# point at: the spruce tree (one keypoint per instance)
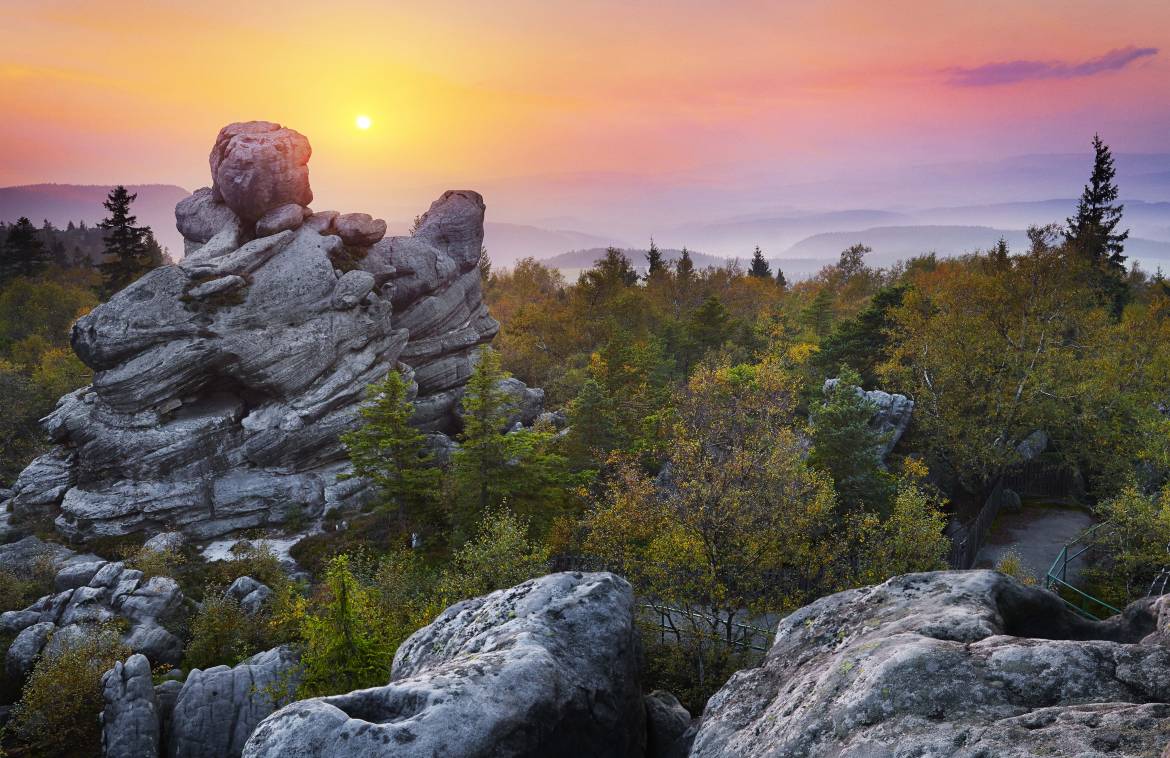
(130, 251)
(685, 267)
(483, 452)
(781, 280)
(1092, 232)
(393, 455)
(760, 268)
(23, 253)
(655, 265)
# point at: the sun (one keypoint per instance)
(363, 122)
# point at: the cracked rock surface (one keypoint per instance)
(548, 667)
(960, 664)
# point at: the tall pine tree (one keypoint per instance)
(393, 455)
(1092, 232)
(781, 280)
(655, 265)
(760, 268)
(130, 251)
(23, 253)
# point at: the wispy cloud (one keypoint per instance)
(1010, 72)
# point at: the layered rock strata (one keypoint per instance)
(221, 384)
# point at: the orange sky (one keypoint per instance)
(463, 93)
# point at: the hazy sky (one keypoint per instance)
(476, 93)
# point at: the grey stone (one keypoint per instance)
(254, 601)
(242, 587)
(279, 219)
(258, 165)
(548, 667)
(155, 642)
(958, 664)
(130, 719)
(217, 286)
(359, 229)
(23, 557)
(351, 288)
(1033, 445)
(200, 217)
(166, 541)
(23, 651)
(667, 722)
(218, 708)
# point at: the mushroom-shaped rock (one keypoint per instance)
(200, 216)
(279, 219)
(546, 668)
(258, 165)
(359, 229)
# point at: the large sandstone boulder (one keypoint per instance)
(546, 668)
(959, 664)
(217, 708)
(257, 166)
(221, 384)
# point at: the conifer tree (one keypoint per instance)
(393, 455)
(130, 251)
(685, 267)
(781, 280)
(1092, 232)
(760, 268)
(655, 265)
(23, 253)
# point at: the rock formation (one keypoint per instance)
(960, 664)
(93, 592)
(892, 413)
(210, 715)
(221, 384)
(549, 667)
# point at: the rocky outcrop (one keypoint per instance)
(548, 667)
(958, 664)
(130, 720)
(97, 592)
(221, 384)
(892, 413)
(210, 715)
(217, 708)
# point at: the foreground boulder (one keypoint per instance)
(221, 384)
(959, 664)
(546, 668)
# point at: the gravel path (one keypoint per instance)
(1036, 533)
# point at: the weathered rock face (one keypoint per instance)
(892, 413)
(130, 720)
(958, 664)
(221, 384)
(218, 708)
(548, 667)
(93, 592)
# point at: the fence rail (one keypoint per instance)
(965, 550)
(1057, 577)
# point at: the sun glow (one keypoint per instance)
(363, 122)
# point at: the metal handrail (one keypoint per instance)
(1054, 579)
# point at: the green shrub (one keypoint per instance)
(59, 706)
(221, 633)
(248, 559)
(347, 643)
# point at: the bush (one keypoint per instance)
(59, 706)
(257, 561)
(154, 562)
(499, 556)
(1009, 563)
(221, 633)
(692, 669)
(347, 643)
(1133, 546)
